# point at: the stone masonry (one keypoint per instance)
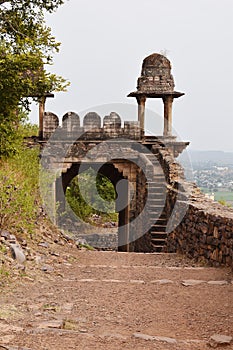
(179, 217)
(205, 232)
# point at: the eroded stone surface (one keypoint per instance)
(220, 339)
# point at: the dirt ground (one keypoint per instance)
(80, 299)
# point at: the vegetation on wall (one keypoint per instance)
(19, 196)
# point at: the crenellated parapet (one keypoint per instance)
(92, 128)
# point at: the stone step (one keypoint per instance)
(152, 213)
(151, 155)
(157, 177)
(153, 206)
(156, 184)
(158, 192)
(158, 221)
(158, 241)
(160, 197)
(159, 201)
(158, 228)
(157, 248)
(159, 235)
(156, 215)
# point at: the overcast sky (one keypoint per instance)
(105, 41)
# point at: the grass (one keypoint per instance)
(3, 272)
(19, 191)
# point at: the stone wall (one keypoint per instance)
(71, 128)
(199, 227)
(105, 241)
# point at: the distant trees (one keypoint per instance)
(103, 199)
(26, 46)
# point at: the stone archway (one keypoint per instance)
(114, 172)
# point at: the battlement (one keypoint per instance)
(93, 128)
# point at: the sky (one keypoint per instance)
(104, 42)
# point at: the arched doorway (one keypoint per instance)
(110, 171)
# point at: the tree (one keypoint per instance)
(26, 47)
(101, 202)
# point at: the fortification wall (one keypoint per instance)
(205, 231)
(198, 227)
(112, 127)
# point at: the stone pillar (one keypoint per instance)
(141, 100)
(41, 116)
(167, 100)
(123, 229)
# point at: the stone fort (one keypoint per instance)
(158, 210)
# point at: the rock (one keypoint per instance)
(17, 253)
(43, 244)
(219, 339)
(81, 242)
(5, 328)
(114, 336)
(58, 324)
(155, 338)
(83, 330)
(24, 243)
(187, 283)
(54, 254)
(166, 340)
(137, 281)
(12, 239)
(38, 259)
(13, 348)
(16, 348)
(5, 234)
(143, 336)
(163, 281)
(218, 283)
(47, 268)
(19, 267)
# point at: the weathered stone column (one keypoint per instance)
(124, 214)
(141, 100)
(167, 101)
(41, 116)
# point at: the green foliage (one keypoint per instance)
(26, 47)
(4, 272)
(224, 202)
(87, 202)
(19, 190)
(12, 135)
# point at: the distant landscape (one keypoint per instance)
(212, 171)
(208, 158)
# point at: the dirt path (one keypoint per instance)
(107, 300)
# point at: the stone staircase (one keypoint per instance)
(156, 201)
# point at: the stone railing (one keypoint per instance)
(199, 227)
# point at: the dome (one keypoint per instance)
(156, 60)
(156, 75)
